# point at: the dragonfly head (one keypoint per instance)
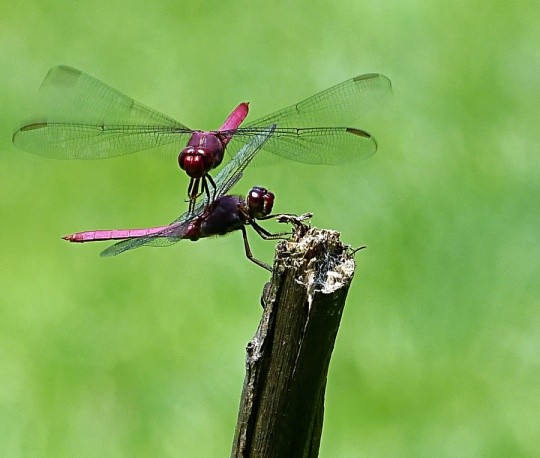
(196, 161)
(203, 152)
(260, 202)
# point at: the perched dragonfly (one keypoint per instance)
(226, 213)
(87, 119)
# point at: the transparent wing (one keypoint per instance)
(312, 145)
(232, 172)
(315, 130)
(84, 118)
(337, 106)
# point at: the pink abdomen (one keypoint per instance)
(112, 234)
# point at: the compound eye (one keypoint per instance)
(196, 162)
(260, 202)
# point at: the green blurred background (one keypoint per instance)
(143, 355)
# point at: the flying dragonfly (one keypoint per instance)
(85, 118)
(226, 213)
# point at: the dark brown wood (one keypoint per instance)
(282, 405)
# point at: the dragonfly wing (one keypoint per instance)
(71, 96)
(232, 172)
(130, 244)
(315, 130)
(174, 233)
(76, 141)
(339, 105)
(315, 145)
(84, 118)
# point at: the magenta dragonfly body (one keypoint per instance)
(86, 119)
(226, 213)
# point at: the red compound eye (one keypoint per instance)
(195, 161)
(260, 202)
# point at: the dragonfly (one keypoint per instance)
(85, 118)
(225, 214)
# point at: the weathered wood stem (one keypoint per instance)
(282, 403)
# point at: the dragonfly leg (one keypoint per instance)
(295, 220)
(288, 217)
(249, 254)
(266, 235)
(193, 192)
(214, 187)
(263, 233)
(205, 190)
(210, 195)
